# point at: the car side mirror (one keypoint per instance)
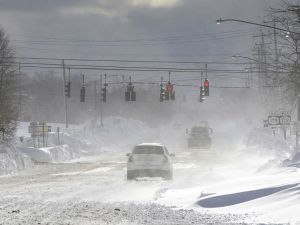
(128, 154)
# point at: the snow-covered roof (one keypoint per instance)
(151, 144)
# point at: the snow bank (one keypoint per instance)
(11, 160)
(262, 142)
(48, 155)
(61, 149)
(82, 140)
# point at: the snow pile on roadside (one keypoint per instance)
(54, 154)
(293, 161)
(262, 142)
(60, 147)
(68, 148)
(81, 140)
(11, 160)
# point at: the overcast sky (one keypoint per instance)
(134, 29)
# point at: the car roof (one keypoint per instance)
(151, 144)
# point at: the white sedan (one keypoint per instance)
(149, 160)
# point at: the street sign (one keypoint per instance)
(40, 131)
(285, 120)
(274, 120)
(279, 118)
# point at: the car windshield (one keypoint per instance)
(148, 149)
(199, 130)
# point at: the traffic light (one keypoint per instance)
(162, 93)
(82, 94)
(130, 94)
(202, 94)
(206, 87)
(103, 94)
(170, 93)
(68, 89)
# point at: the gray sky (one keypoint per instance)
(132, 29)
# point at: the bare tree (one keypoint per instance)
(8, 88)
(287, 57)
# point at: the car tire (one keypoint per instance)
(169, 175)
(130, 176)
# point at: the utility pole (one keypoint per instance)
(277, 80)
(101, 104)
(275, 46)
(259, 68)
(65, 98)
(262, 55)
(20, 94)
(95, 97)
(298, 123)
(201, 79)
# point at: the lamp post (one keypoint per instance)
(287, 32)
(219, 21)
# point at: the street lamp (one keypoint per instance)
(219, 21)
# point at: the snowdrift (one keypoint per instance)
(11, 160)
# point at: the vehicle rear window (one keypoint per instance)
(148, 150)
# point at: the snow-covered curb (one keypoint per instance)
(50, 154)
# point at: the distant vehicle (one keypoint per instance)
(149, 160)
(199, 136)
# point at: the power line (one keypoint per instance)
(149, 69)
(169, 42)
(165, 38)
(131, 61)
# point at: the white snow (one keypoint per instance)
(85, 181)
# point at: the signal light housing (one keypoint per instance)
(202, 94)
(82, 94)
(206, 87)
(68, 89)
(103, 94)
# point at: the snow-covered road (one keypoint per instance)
(95, 191)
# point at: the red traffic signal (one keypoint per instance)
(206, 83)
(169, 88)
(206, 87)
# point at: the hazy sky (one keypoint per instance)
(132, 29)
(115, 20)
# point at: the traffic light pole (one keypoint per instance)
(65, 98)
(101, 104)
(297, 125)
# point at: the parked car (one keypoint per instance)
(149, 160)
